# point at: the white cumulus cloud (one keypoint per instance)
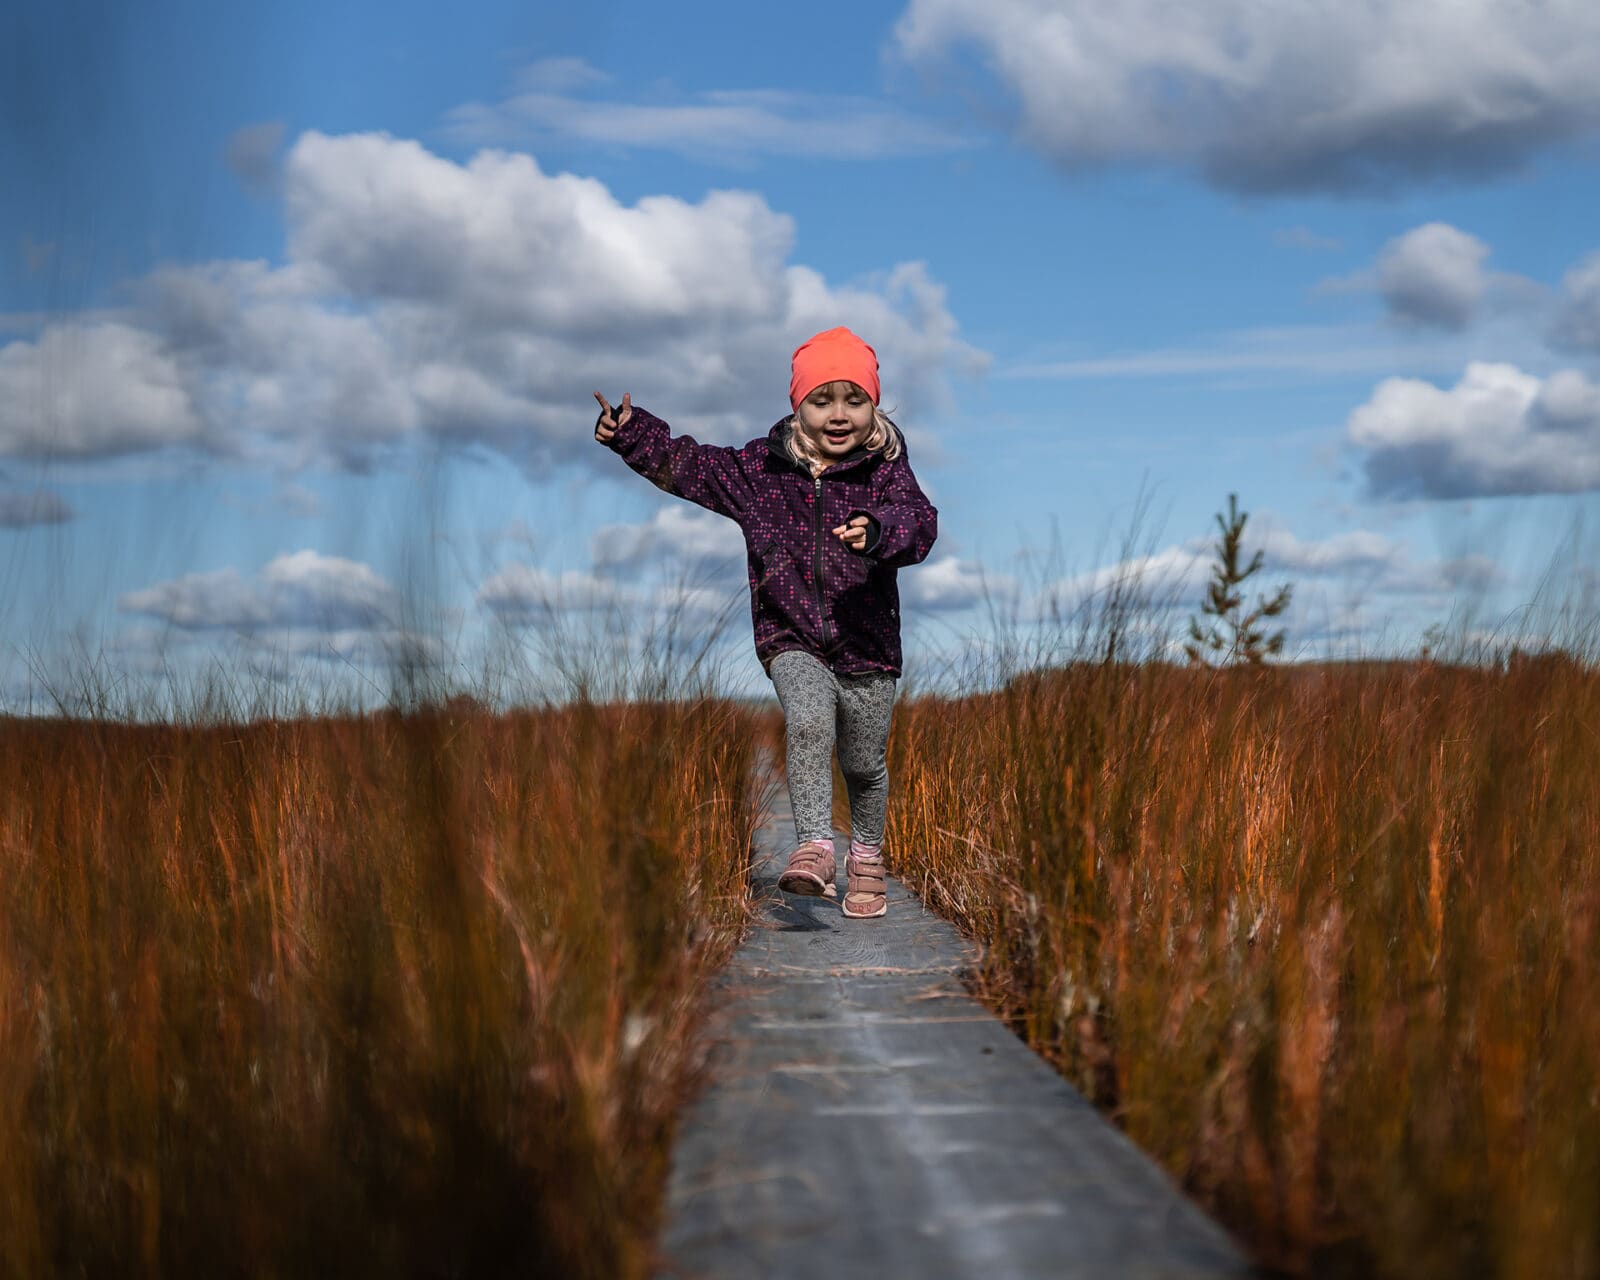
(252, 154)
(677, 534)
(305, 589)
(92, 390)
(1353, 550)
(947, 583)
(1360, 560)
(1300, 95)
(1577, 321)
(520, 595)
(1433, 275)
(41, 506)
(499, 240)
(1499, 430)
(467, 303)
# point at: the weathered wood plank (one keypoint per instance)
(868, 1118)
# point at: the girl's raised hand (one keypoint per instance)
(853, 533)
(605, 426)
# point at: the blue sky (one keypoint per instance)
(300, 309)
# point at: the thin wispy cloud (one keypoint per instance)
(1306, 238)
(566, 98)
(1309, 351)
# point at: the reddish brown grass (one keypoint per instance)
(1326, 941)
(382, 995)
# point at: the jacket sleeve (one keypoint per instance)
(904, 524)
(707, 474)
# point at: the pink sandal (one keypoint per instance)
(865, 895)
(811, 871)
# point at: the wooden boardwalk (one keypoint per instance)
(867, 1118)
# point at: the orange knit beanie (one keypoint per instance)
(830, 356)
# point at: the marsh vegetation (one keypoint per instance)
(400, 993)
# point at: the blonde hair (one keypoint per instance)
(883, 435)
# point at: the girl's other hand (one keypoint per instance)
(610, 419)
(853, 533)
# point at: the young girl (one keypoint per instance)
(830, 510)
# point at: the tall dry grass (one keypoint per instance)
(393, 994)
(1325, 941)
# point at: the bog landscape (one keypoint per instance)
(416, 990)
(461, 464)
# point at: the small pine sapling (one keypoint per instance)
(1234, 635)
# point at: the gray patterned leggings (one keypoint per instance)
(821, 709)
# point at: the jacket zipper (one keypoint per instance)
(822, 616)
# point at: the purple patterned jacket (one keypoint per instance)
(807, 589)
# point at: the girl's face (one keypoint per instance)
(836, 417)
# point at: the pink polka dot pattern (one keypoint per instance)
(807, 589)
